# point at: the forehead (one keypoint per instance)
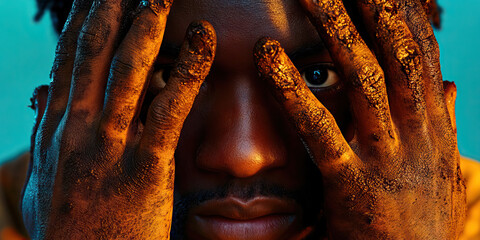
(240, 23)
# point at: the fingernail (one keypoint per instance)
(275, 66)
(201, 39)
(197, 53)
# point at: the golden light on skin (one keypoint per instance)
(470, 168)
(254, 157)
(279, 18)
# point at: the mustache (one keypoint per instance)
(184, 203)
(241, 191)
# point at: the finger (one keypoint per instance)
(450, 98)
(312, 120)
(39, 103)
(358, 66)
(172, 105)
(130, 68)
(417, 20)
(401, 60)
(65, 52)
(96, 45)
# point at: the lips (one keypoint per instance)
(233, 218)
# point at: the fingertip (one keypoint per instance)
(197, 53)
(450, 94)
(266, 50)
(449, 86)
(202, 39)
(267, 46)
(450, 90)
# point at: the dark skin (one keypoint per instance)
(387, 155)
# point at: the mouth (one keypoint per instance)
(234, 218)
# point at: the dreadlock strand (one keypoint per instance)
(42, 6)
(433, 11)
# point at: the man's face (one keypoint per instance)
(241, 170)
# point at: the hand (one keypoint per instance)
(399, 177)
(98, 172)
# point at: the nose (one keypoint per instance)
(244, 134)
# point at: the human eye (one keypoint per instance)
(161, 75)
(320, 75)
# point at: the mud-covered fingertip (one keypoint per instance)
(197, 53)
(202, 39)
(265, 53)
(266, 47)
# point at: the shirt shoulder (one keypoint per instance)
(471, 173)
(13, 173)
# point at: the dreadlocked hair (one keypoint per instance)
(433, 11)
(59, 10)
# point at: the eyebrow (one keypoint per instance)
(306, 51)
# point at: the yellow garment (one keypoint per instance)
(471, 173)
(12, 177)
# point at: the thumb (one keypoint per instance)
(450, 96)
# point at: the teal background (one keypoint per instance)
(27, 48)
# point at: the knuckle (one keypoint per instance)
(121, 68)
(368, 79)
(66, 42)
(110, 144)
(121, 79)
(408, 53)
(429, 45)
(89, 42)
(420, 27)
(148, 27)
(59, 64)
(65, 51)
(79, 117)
(191, 70)
(92, 39)
(73, 117)
(164, 114)
(160, 114)
(367, 76)
(316, 122)
(52, 116)
(119, 119)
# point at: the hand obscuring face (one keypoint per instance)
(98, 172)
(399, 177)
